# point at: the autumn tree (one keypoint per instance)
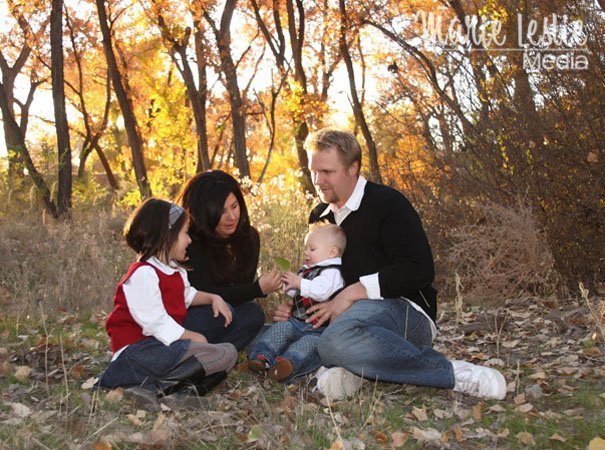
(17, 43)
(121, 90)
(222, 32)
(90, 89)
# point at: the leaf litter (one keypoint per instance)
(547, 356)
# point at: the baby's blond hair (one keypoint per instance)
(335, 235)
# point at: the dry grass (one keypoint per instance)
(66, 266)
(502, 255)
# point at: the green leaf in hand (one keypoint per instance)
(282, 264)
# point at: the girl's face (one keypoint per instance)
(178, 252)
(230, 217)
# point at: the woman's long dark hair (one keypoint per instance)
(203, 197)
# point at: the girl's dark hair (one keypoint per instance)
(203, 197)
(147, 231)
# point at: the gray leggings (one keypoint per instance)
(213, 357)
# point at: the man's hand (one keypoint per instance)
(283, 311)
(321, 313)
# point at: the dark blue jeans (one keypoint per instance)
(248, 319)
(143, 363)
(386, 340)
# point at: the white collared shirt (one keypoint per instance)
(144, 300)
(325, 284)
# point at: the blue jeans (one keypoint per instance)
(294, 340)
(386, 340)
(143, 363)
(248, 319)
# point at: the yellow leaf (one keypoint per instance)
(22, 373)
(526, 438)
(596, 444)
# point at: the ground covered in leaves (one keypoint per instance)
(550, 354)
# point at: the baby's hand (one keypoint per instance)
(220, 306)
(291, 281)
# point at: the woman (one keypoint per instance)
(223, 258)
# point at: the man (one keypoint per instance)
(383, 323)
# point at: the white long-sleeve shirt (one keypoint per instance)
(322, 286)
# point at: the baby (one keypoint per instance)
(289, 349)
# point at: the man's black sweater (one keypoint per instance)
(385, 236)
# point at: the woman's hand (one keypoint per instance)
(194, 337)
(220, 306)
(283, 311)
(291, 281)
(270, 281)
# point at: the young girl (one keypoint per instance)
(151, 347)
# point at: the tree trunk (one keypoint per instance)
(238, 115)
(18, 146)
(357, 109)
(300, 124)
(130, 122)
(58, 89)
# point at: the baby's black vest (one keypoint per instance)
(301, 304)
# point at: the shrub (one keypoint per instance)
(502, 255)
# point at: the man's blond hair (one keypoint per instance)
(345, 143)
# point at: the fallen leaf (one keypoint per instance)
(459, 434)
(381, 437)
(519, 399)
(538, 376)
(557, 437)
(115, 395)
(255, 433)
(477, 415)
(101, 445)
(510, 344)
(78, 371)
(22, 372)
(441, 414)
(526, 438)
(20, 410)
(88, 384)
(504, 433)
(337, 445)
(399, 438)
(428, 435)
(419, 414)
(596, 444)
(497, 408)
(525, 408)
(592, 158)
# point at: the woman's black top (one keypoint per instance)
(235, 286)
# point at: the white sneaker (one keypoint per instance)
(337, 383)
(478, 381)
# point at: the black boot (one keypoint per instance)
(186, 373)
(206, 384)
